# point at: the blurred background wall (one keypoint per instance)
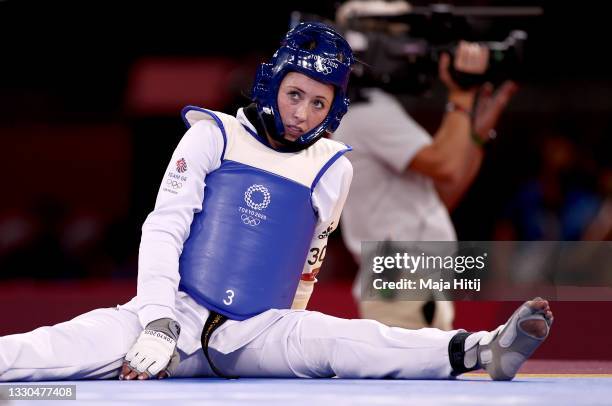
(90, 96)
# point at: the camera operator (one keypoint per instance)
(406, 181)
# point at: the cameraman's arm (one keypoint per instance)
(462, 155)
(443, 160)
(454, 158)
(446, 159)
(489, 107)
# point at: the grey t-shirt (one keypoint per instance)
(387, 201)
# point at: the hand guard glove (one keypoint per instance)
(155, 349)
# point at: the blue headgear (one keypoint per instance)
(317, 51)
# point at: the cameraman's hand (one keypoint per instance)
(490, 106)
(154, 353)
(470, 58)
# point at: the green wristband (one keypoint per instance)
(476, 138)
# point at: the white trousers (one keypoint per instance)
(277, 343)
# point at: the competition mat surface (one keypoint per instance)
(538, 383)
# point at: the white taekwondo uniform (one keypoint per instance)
(280, 342)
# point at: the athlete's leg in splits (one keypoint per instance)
(311, 344)
(298, 344)
(90, 346)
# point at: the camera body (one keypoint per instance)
(400, 53)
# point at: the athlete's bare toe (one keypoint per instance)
(538, 304)
(535, 328)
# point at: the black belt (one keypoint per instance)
(213, 322)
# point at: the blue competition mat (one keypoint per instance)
(469, 390)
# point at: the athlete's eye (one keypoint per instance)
(319, 104)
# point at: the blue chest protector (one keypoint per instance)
(247, 247)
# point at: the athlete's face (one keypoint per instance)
(303, 103)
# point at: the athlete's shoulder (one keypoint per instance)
(194, 115)
(343, 167)
(328, 145)
(338, 169)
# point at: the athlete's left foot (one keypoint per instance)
(502, 352)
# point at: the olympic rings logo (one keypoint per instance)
(249, 194)
(319, 67)
(174, 184)
(250, 221)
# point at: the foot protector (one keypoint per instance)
(502, 352)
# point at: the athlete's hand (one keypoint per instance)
(154, 353)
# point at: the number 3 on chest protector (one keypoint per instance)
(230, 296)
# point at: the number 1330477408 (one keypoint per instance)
(37, 392)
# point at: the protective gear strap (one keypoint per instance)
(167, 326)
(456, 353)
(213, 322)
